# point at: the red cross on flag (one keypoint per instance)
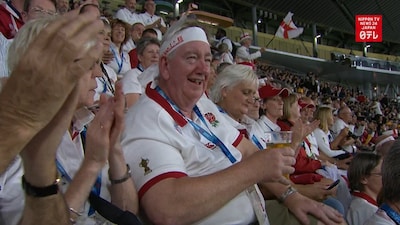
(288, 29)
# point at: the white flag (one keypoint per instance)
(288, 29)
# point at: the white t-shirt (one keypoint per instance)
(12, 198)
(104, 85)
(323, 141)
(243, 55)
(148, 19)
(130, 83)
(380, 218)
(127, 16)
(360, 210)
(4, 46)
(121, 62)
(159, 143)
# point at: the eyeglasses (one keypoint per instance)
(255, 100)
(43, 12)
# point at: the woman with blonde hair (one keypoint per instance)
(328, 147)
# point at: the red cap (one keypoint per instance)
(269, 91)
(306, 105)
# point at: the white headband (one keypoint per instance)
(183, 37)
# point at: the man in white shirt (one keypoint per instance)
(128, 13)
(136, 33)
(345, 116)
(151, 20)
(243, 52)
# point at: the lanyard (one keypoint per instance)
(256, 142)
(207, 134)
(97, 185)
(119, 63)
(107, 83)
(391, 213)
(140, 67)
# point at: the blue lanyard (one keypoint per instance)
(209, 135)
(391, 213)
(97, 185)
(256, 142)
(119, 63)
(140, 67)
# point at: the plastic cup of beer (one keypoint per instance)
(278, 139)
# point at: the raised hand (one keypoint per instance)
(43, 78)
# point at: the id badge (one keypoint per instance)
(257, 200)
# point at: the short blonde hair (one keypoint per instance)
(24, 38)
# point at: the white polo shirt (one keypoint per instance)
(12, 198)
(160, 143)
(148, 19)
(127, 16)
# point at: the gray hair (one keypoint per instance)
(391, 174)
(144, 42)
(230, 77)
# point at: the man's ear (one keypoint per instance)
(224, 92)
(164, 67)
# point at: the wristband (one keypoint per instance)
(122, 179)
(40, 191)
(291, 190)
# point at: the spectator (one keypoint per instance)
(365, 181)
(243, 52)
(62, 6)
(136, 32)
(119, 36)
(345, 116)
(226, 56)
(147, 33)
(25, 132)
(128, 13)
(32, 9)
(135, 80)
(389, 199)
(325, 140)
(151, 20)
(106, 83)
(222, 38)
(167, 165)
(80, 169)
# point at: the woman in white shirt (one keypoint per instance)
(326, 144)
(135, 81)
(365, 181)
(119, 36)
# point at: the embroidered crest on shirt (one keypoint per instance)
(210, 145)
(145, 165)
(211, 118)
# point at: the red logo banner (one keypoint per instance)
(368, 28)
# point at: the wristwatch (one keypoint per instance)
(40, 191)
(291, 190)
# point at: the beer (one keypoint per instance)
(278, 145)
(278, 139)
